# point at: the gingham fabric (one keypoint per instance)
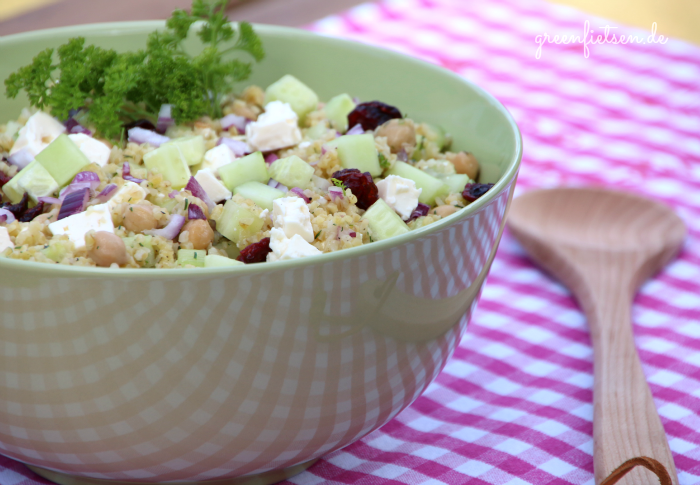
(514, 405)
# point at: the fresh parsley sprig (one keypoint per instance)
(116, 88)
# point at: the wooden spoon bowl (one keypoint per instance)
(603, 245)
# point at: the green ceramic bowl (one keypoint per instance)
(216, 374)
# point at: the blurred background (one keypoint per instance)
(677, 18)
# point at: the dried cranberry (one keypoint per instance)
(4, 178)
(419, 211)
(145, 124)
(19, 208)
(30, 214)
(256, 252)
(372, 114)
(474, 191)
(361, 185)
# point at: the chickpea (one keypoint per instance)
(108, 248)
(200, 233)
(254, 95)
(241, 108)
(466, 163)
(399, 133)
(445, 210)
(139, 218)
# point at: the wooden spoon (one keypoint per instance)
(603, 245)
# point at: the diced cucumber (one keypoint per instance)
(195, 257)
(358, 151)
(261, 194)
(432, 187)
(62, 159)
(439, 136)
(290, 90)
(249, 168)
(317, 131)
(292, 172)
(216, 261)
(33, 179)
(338, 109)
(383, 221)
(456, 182)
(141, 241)
(57, 250)
(165, 202)
(418, 151)
(192, 148)
(238, 222)
(170, 162)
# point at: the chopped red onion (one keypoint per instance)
(276, 185)
(402, 155)
(21, 159)
(355, 130)
(324, 150)
(83, 180)
(239, 122)
(419, 211)
(132, 179)
(73, 127)
(239, 148)
(199, 192)
(336, 193)
(338, 230)
(90, 177)
(165, 118)
(126, 174)
(49, 200)
(271, 157)
(107, 193)
(171, 230)
(173, 194)
(140, 135)
(195, 212)
(74, 203)
(7, 216)
(301, 194)
(352, 234)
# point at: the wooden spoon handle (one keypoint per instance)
(627, 430)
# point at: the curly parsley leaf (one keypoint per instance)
(116, 88)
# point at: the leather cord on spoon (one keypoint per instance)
(657, 468)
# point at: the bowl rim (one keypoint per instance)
(508, 177)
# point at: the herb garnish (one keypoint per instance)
(383, 161)
(119, 87)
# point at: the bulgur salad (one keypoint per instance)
(260, 176)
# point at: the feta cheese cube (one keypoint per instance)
(218, 157)
(5, 241)
(129, 192)
(41, 129)
(212, 186)
(400, 194)
(95, 218)
(276, 128)
(95, 151)
(284, 248)
(291, 215)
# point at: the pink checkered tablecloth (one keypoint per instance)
(514, 405)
